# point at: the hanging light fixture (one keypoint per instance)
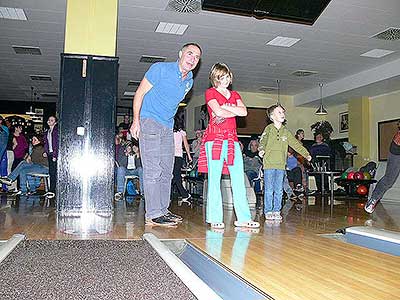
(31, 112)
(321, 109)
(278, 83)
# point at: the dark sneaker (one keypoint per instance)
(5, 180)
(370, 205)
(161, 221)
(173, 217)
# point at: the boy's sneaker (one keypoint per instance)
(5, 180)
(161, 221)
(371, 205)
(117, 196)
(269, 216)
(173, 217)
(186, 199)
(277, 215)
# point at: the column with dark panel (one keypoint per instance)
(86, 108)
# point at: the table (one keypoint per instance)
(331, 175)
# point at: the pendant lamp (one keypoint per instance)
(321, 109)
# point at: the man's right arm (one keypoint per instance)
(142, 90)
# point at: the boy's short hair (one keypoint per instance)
(219, 70)
(271, 109)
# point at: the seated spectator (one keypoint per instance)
(293, 171)
(33, 163)
(253, 164)
(20, 146)
(128, 163)
(195, 146)
(320, 148)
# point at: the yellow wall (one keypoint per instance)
(91, 27)
(298, 117)
(382, 108)
(359, 129)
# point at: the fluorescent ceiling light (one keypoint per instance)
(171, 28)
(282, 41)
(12, 13)
(377, 53)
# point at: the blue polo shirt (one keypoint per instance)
(161, 102)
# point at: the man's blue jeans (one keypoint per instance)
(25, 168)
(122, 172)
(273, 190)
(157, 152)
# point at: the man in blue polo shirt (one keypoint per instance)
(154, 106)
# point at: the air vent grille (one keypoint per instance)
(152, 59)
(49, 95)
(40, 77)
(304, 73)
(184, 6)
(133, 83)
(389, 34)
(27, 50)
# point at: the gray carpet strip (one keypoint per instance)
(89, 269)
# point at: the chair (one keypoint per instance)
(45, 177)
(127, 178)
(259, 178)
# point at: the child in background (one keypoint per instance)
(221, 152)
(274, 147)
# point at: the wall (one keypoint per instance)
(298, 117)
(382, 108)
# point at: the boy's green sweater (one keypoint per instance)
(274, 142)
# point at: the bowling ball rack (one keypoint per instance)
(350, 185)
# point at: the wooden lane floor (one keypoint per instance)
(287, 260)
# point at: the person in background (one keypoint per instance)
(33, 163)
(293, 172)
(155, 104)
(196, 145)
(20, 146)
(391, 174)
(4, 133)
(128, 163)
(320, 148)
(125, 123)
(179, 139)
(253, 165)
(274, 148)
(221, 151)
(51, 150)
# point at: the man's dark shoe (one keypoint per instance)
(173, 217)
(371, 205)
(161, 221)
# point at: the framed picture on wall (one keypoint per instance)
(386, 131)
(344, 122)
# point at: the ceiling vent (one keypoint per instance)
(389, 34)
(304, 73)
(184, 6)
(40, 77)
(27, 50)
(49, 95)
(133, 83)
(152, 59)
(267, 89)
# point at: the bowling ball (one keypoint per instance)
(344, 175)
(359, 175)
(367, 176)
(350, 175)
(362, 190)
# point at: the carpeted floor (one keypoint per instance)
(92, 269)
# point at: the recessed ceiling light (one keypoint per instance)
(377, 53)
(282, 41)
(12, 13)
(27, 50)
(171, 28)
(389, 34)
